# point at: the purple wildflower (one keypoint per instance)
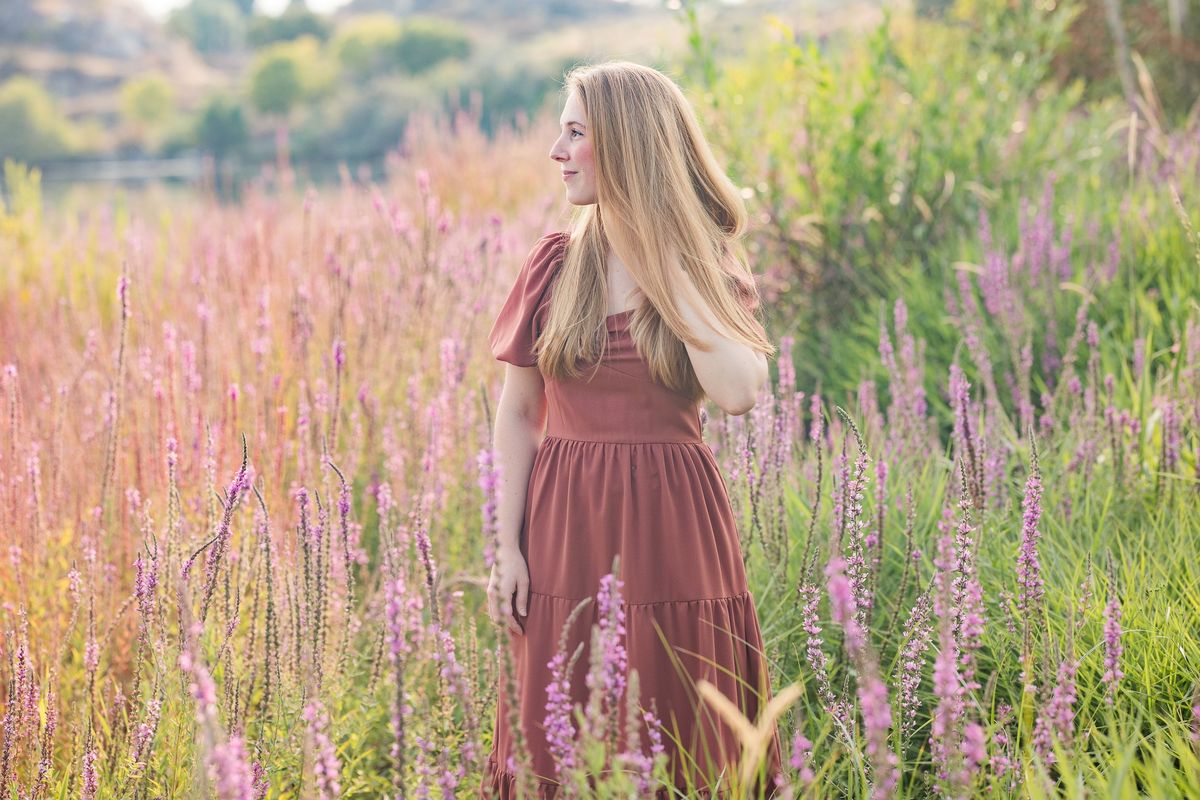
(609, 668)
(910, 665)
(872, 692)
(1057, 717)
(817, 659)
(560, 729)
(801, 759)
(229, 770)
(1029, 570)
(1112, 641)
(944, 728)
(326, 765)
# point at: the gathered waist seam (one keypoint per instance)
(612, 441)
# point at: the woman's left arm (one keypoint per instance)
(731, 373)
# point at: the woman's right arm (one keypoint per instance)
(520, 420)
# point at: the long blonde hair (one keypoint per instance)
(663, 199)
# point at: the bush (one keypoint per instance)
(286, 73)
(33, 128)
(221, 127)
(212, 26)
(294, 23)
(426, 42)
(362, 44)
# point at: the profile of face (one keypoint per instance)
(573, 152)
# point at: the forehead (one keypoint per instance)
(573, 109)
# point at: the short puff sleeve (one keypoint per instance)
(520, 319)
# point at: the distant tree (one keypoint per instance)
(296, 21)
(427, 41)
(282, 75)
(276, 85)
(364, 44)
(245, 6)
(935, 9)
(147, 100)
(212, 26)
(285, 73)
(221, 127)
(33, 129)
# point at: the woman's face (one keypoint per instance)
(573, 152)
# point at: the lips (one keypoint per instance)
(567, 175)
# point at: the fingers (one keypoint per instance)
(503, 611)
(523, 595)
(514, 624)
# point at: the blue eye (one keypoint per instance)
(575, 132)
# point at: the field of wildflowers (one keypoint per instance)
(247, 493)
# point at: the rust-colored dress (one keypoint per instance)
(623, 469)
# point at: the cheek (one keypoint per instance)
(584, 154)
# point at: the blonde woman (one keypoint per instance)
(615, 332)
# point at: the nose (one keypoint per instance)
(557, 152)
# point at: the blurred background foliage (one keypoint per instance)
(97, 78)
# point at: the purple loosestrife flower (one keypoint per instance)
(1001, 763)
(91, 654)
(229, 770)
(801, 760)
(974, 746)
(857, 565)
(1112, 640)
(145, 584)
(325, 765)
(842, 603)
(947, 715)
(453, 674)
(1172, 436)
(817, 659)
(560, 729)
(201, 687)
(969, 614)
(489, 482)
(635, 759)
(910, 665)
(816, 428)
(146, 729)
(91, 782)
(402, 612)
(872, 692)
(1029, 569)
(424, 767)
(1057, 717)
(606, 678)
(787, 390)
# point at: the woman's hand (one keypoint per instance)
(510, 574)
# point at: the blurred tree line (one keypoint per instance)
(341, 89)
(326, 89)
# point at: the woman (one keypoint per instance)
(647, 293)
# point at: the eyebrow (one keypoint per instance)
(573, 122)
